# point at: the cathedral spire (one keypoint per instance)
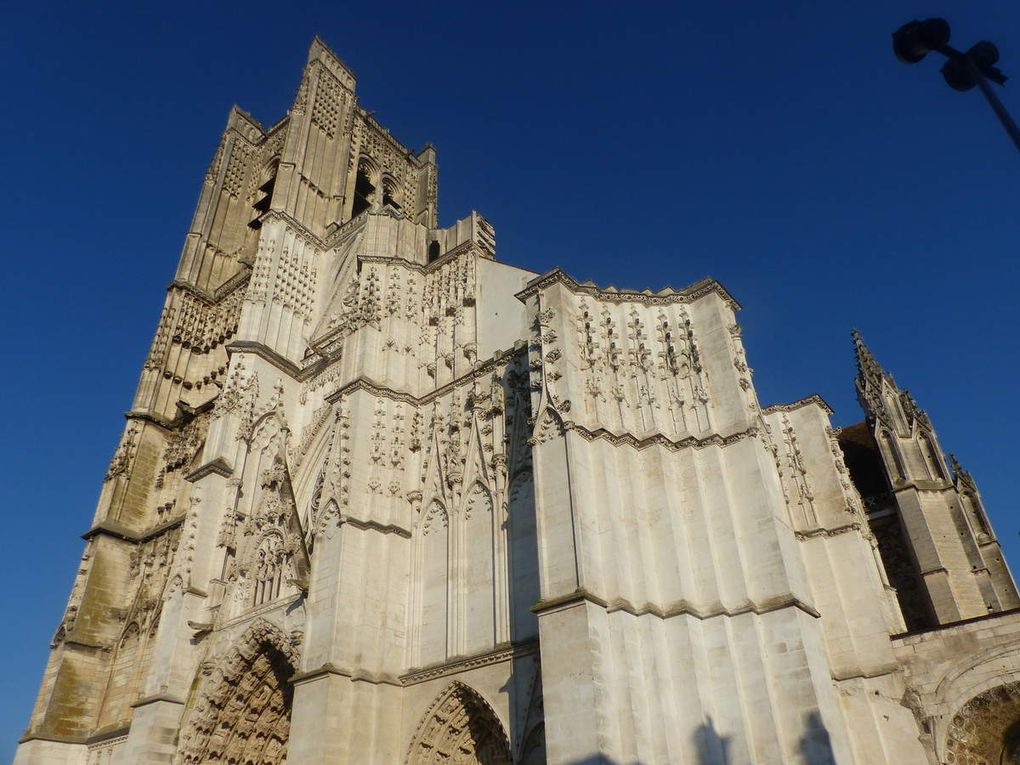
(869, 377)
(868, 368)
(873, 395)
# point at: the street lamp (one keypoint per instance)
(962, 71)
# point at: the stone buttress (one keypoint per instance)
(381, 498)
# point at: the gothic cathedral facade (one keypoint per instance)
(382, 498)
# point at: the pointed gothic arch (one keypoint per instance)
(459, 728)
(242, 711)
(893, 462)
(121, 687)
(366, 183)
(478, 577)
(931, 458)
(525, 590)
(433, 576)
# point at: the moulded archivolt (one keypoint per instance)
(459, 727)
(241, 712)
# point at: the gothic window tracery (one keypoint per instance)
(893, 461)
(270, 562)
(986, 730)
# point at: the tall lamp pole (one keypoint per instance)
(962, 71)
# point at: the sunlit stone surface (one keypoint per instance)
(382, 498)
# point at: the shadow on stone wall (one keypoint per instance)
(713, 748)
(815, 745)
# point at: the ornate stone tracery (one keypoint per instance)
(459, 728)
(385, 494)
(242, 712)
(984, 730)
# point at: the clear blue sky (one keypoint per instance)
(778, 147)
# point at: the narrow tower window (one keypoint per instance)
(364, 189)
(264, 193)
(389, 193)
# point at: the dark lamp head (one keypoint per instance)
(913, 40)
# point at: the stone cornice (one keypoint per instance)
(881, 671)
(252, 615)
(299, 228)
(218, 466)
(102, 736)
(236, 112)
(480, 370)
(813, 400)
(355, 675)
(677, 608)
(458, 664)
(268, 354)
(156, 419)
(921, 634)
(320, 53)
(923, 485)
(300, 374)
(113, 529)
(501, 653)
(597, 434)
(658, 439)
(56, 738)
(157, 698)
(368, 525)
(238, 280)
(277, 126)
(95, 738)
(435, 265)
(336, 232)
(72, 642)
(331, 336)
(320, 343)
(385, 134)
(212, 297)
(822, 532)
(613, 295)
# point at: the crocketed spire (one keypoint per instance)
(869, 378)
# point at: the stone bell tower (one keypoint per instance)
(382, 498)
(212, 575)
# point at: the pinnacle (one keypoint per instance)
(867, 365)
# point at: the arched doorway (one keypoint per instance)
(459, 728)
(242, 714)
(986, 730)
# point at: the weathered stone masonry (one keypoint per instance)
(382, 498)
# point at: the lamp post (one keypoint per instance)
(962, 71)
